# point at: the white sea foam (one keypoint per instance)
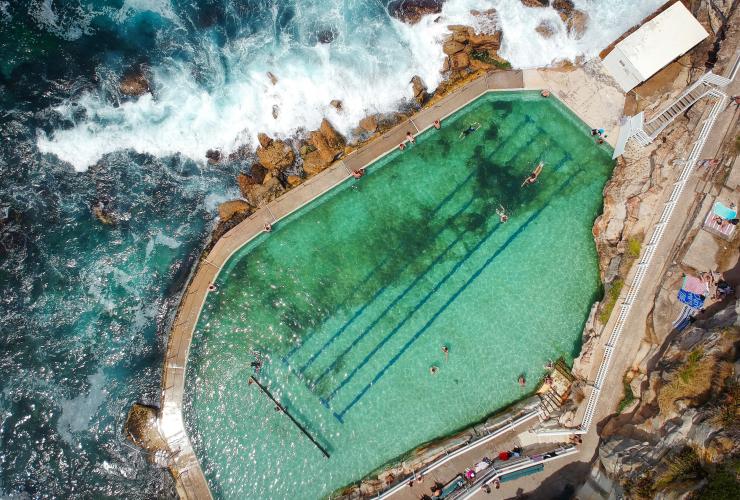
(77, 412)
(368, 67)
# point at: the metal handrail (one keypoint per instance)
(648, 255)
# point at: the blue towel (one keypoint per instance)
(691, 299)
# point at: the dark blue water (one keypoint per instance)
(85, 305)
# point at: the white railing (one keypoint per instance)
(429, 468)
(647, 257)
(476, 487)
(720, 81)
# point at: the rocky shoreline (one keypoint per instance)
(280, 164)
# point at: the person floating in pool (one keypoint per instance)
(534, 175)
(501, 212)
(433, 370)
(472, 128)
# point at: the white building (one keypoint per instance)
(655, 44)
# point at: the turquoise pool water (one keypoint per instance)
(350, 300)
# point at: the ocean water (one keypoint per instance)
(84, 306)
(348, 302)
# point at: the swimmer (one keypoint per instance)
(257, 364)
(402, 146)
(446, 350)
(472, 128)
(437, 124)
(410, 137)
(211, 287)
(534, 175)
(549, 365)
(358, 174)
(268, 227)
(522, 381)
(545, 93)
(501, 212)
(433, 370)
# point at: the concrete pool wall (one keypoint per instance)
(185, 467)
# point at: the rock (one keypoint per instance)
(272, 77)
(313, 163)
(275, 111)
(323, 149)
(369, 123)
(134, 82)
(336, 104)
(102, 215)
(564, 8)
(576, 24)
(276, 156)
(142, 429)
(256, 175)
(229, 209)
(259, 195)
(293, 180)
(411, 11)
(419, 89)
(546, 29)
(486, 41)
(459, 61)
(214, 156)
(333, 138)
(452, 47)
(326, 36)
(305, 149)
(264, 139)
(327, 144)
(536, 3)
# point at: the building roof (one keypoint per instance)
(654, 45)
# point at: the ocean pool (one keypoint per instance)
(349, 301)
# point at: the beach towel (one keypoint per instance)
(725, 212)
(684, 319)
(695, 285)
(690, 299)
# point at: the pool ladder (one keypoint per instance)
(549, 403)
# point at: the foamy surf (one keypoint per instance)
(367, 66)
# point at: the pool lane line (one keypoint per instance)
(283, 410)
(325, 401)
(527, 120)
(340, 416)
(387, 309)
(364, 333)
(373, 298)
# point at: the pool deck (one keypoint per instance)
(596, 103)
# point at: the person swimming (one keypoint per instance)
(534, 175)
(472, 128)
(501, 212)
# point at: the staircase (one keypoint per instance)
(551, 401)
(688, 98)
(645, 132)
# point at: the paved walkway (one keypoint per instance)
(189, 477)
